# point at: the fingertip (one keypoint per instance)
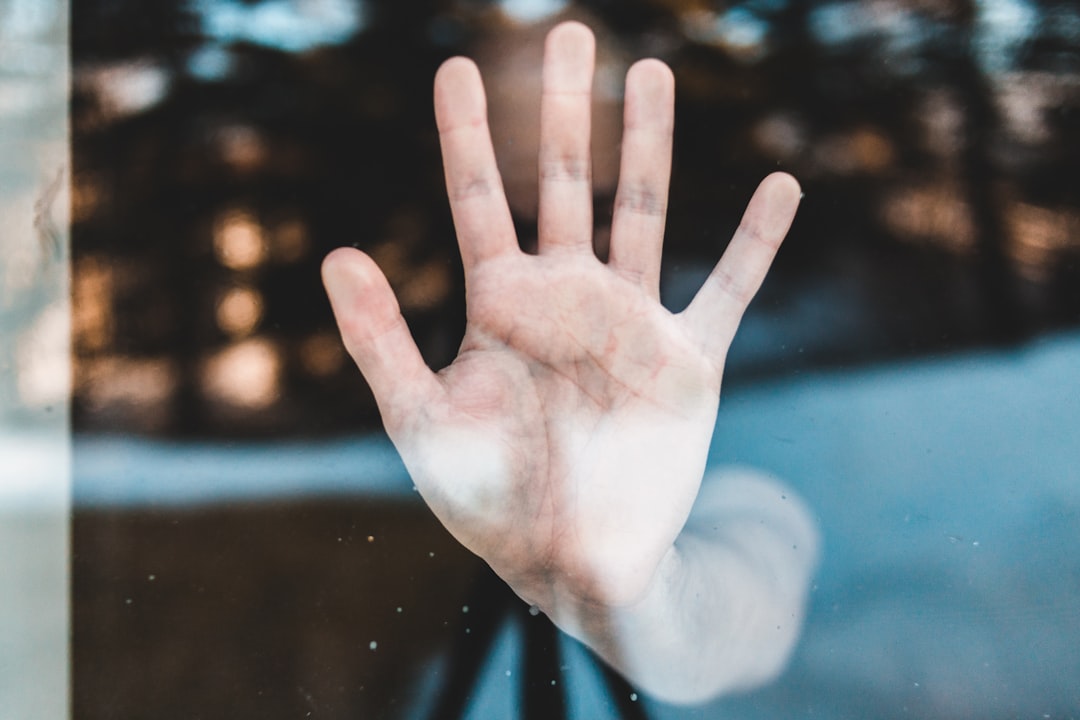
(571, 34)
(772, 208)
(335, 258)
(651, 73)
(783, 185)
(650, 96)
(342, 269)
(459, 94)
(455, 68)
(569, 58)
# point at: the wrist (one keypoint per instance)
(590, 609)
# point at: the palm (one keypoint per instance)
(566, 443)
(584, 412)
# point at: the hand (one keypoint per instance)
(566, 443)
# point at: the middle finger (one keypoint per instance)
(565, 165)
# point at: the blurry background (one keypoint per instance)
(223, 147)
(243, 533)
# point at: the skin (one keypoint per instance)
(566, 443)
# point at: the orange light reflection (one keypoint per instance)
(239, 311)
(246, 374)
(239, 241)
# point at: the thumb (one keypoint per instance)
(376, 336)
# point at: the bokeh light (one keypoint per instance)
(239, 241)
(239, 310)
(245, 374)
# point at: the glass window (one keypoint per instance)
(243, 533)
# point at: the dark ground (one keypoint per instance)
(263, 611)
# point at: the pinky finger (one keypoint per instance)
(377, 338)
(715, 312)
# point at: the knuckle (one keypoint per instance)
(471, 186)
(732, 286)
(756, 234)
(640, 199)
(566, 167)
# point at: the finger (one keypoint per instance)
(637, 230)
(377, 337)
(565, 167)
(477, 201)
(715, 312)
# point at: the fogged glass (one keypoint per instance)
(246, 542)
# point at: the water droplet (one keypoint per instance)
(371, 538)
(552, 683)
(633, 697)
(399, 609)
(373, 645)
(431, 554)
(152, 578)
(508, 673)
(127, 601)
(464, 608)
(534, 610)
